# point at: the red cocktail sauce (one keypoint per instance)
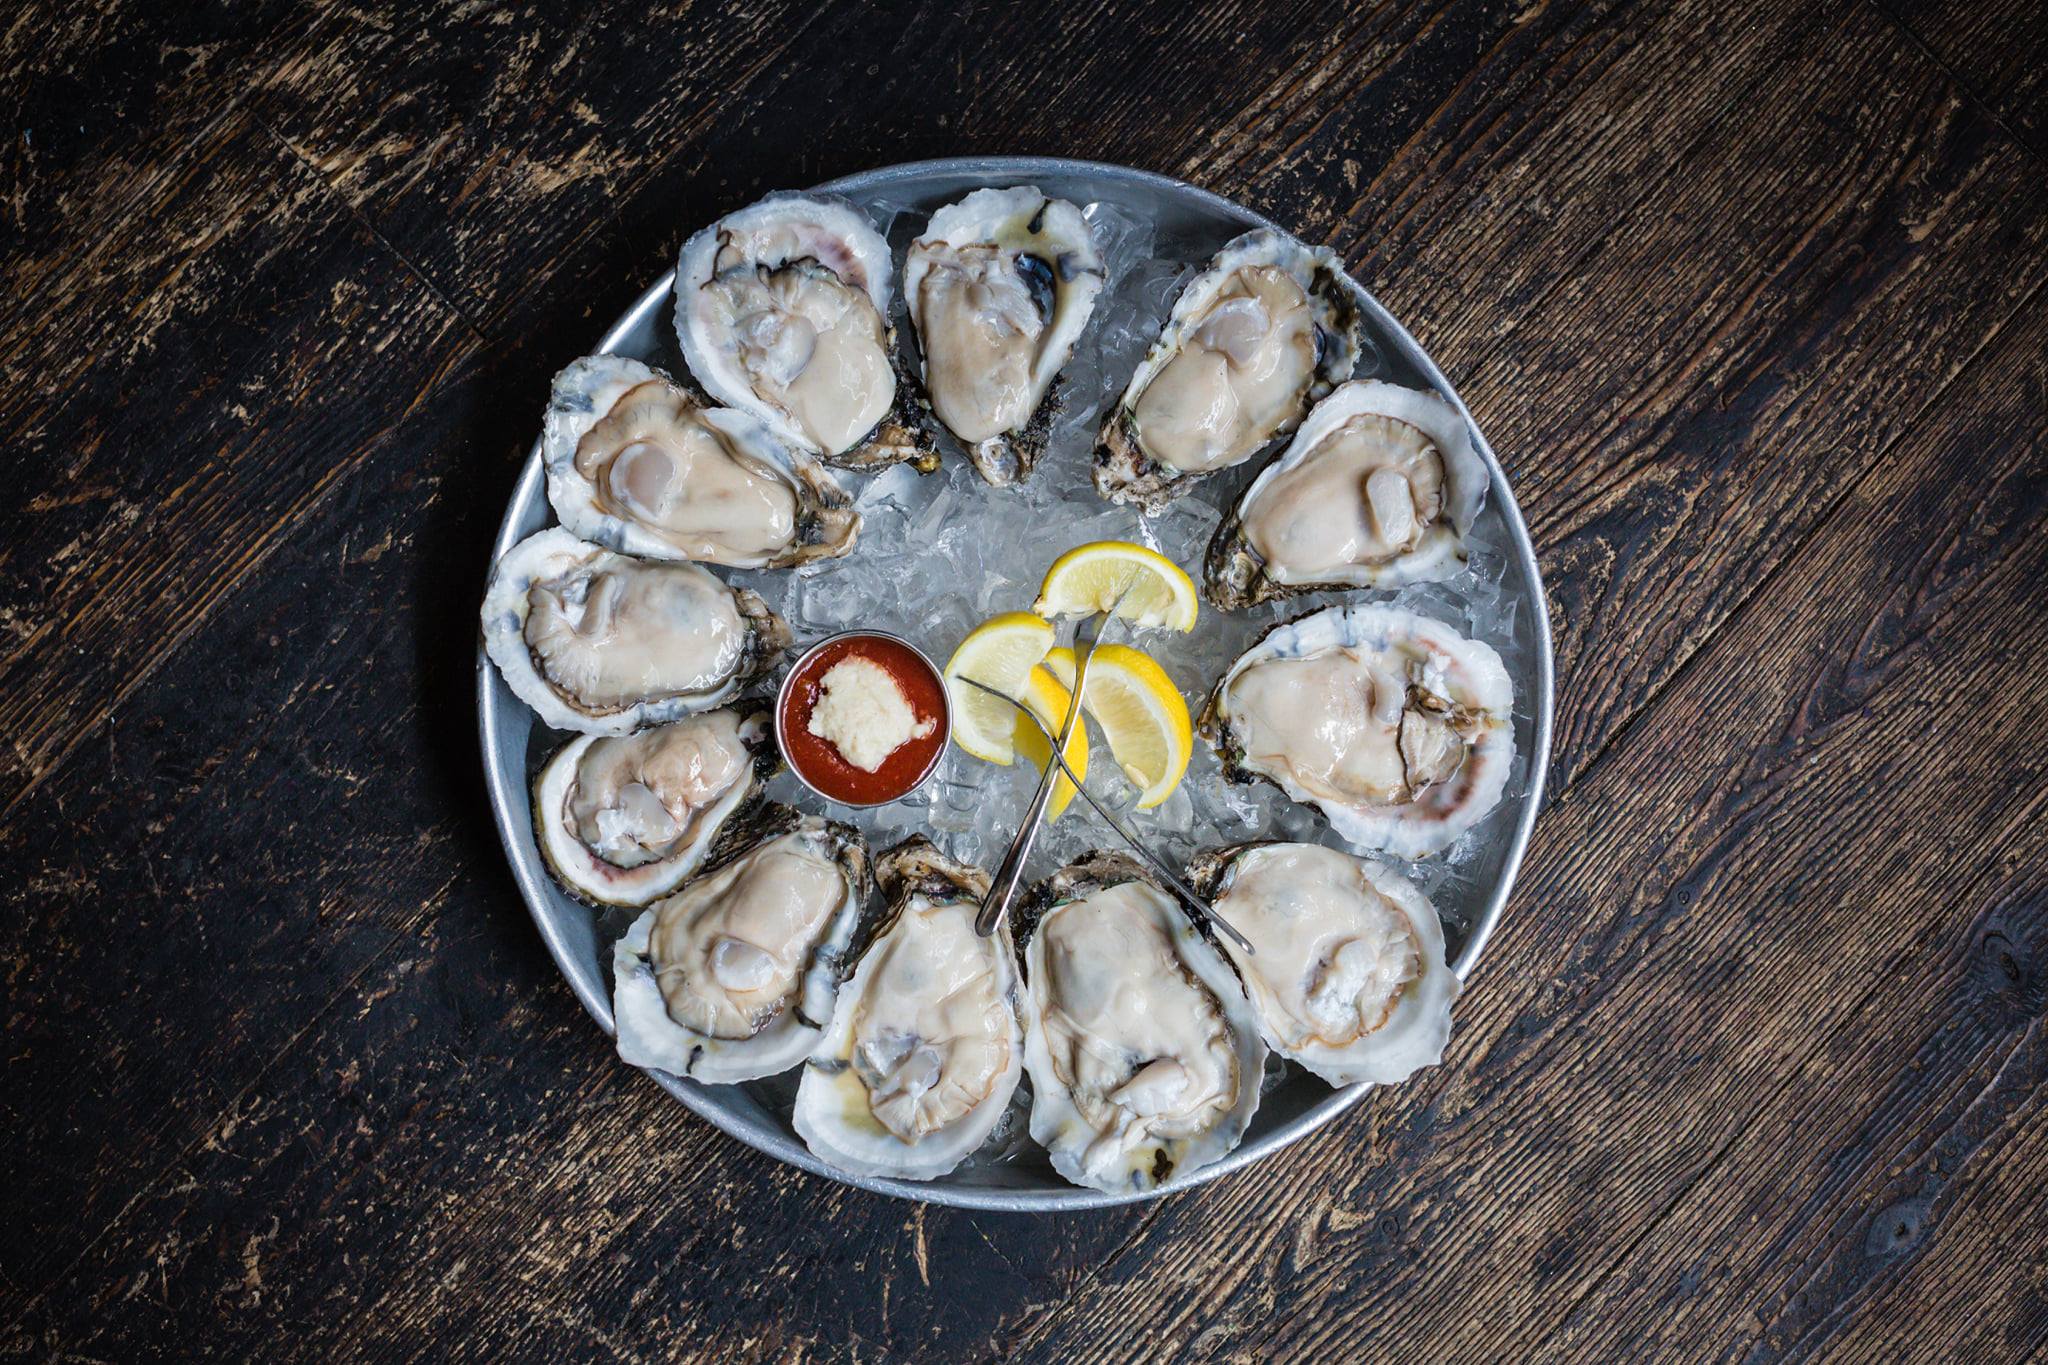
(820, 764)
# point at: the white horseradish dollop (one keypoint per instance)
(863, 714)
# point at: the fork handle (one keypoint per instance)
(1004, 888)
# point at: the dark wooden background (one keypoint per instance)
(1747, 293)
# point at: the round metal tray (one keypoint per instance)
(1190, 224)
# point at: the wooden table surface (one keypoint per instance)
(1748, 294)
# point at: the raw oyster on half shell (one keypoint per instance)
(636, 463)
(1396, 727)
(1348, 975)
(603, 643)
(1145, 1058)
(1377, 489)
(1268, 328)
(732, 977)
(624, 819)
(999, 287)
(925, 1047)
(783, 312)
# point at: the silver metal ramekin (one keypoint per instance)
(945, 713)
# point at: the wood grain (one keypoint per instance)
(159, 483)
(543, 132)
(1927, 1033)
(235, 847)
(2000, 57)
(1753, 299)
(1766, 363)
(101, 102)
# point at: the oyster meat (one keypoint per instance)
(1268, 328)
(1399, 729)
(999, 287)
(1348, 977)
(1145, 1058)
(637, 464)
(1377, 489)
(924, 1050)
(603, 643)
(624, 819)
(732, 977)
(782, 309)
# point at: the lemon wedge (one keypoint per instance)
(1088, 578)
(1001, 653)
(1141, 713)
(1048, 701)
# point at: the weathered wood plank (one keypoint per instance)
(481, 140)
(279, 833)
(100, 102)
(1868, 1167)
(253, 829)
(1528, 169)
(1920, 1064)
(213, 364)
(1704, 956)
(1999, 51)
(1990, 1260)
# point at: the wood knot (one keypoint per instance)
(1897, 1229)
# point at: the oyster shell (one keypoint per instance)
(624, 819)
(1348, 977)
(1266, 329)
(732, 977)
(999, 286)
(1377, 489)
(637, 464)
(924, 1049)
(1145, 1058)
(1399, 729)
(603, 643)
(783, 312)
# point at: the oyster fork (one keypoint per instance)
(1004, 888)
(1151, 859)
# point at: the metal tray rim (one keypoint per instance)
(511, 811)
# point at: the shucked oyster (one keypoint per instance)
(1145, 1058)
(1348, 977)
(624, 819)
(604, 643)
(1000, 286)
(783, 309)
(1377, 489)
(732, 977)
(1269, 327)
(1399, 729)
(924, 1049)
(637, 464)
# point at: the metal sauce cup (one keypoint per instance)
(785, 703)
